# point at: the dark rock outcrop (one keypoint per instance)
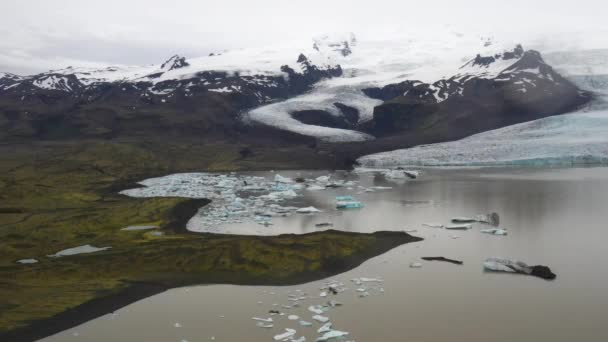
(478, 99)
(71, 103)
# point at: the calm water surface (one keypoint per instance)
(554, 217)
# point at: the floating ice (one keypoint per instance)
(265, 320)
(78, 250)
(305, 323)
(465, 226)
(349, 205)
(280, 179)
(331, 335)
(293, 317)
(325, 328)
(494, 231)
(27, 261)
(234, 198)
(320, 318)
(287, 334)
(415, 265)
(308, 210)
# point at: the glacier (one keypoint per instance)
(578, 138)
(570, 139)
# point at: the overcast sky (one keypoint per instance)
(38, 35)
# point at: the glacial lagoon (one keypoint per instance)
(553, 217)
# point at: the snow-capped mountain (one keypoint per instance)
(335, 89)
(579, 138)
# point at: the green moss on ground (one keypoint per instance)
(55, 196)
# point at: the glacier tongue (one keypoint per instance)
(570, 139)
(579, 138)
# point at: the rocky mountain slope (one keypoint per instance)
(381, 94)
(486, 93)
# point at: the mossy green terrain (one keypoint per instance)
(60, 195)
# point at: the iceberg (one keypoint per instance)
(564, 140)
(494, 231)
(349, 205)
(308, 210)
(78, 250)
(289, 333)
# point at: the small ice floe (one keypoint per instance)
(308, 210)
(464, 226)
(264, 325)
(349, 205)
(463, 220)
(280, 179)
(494, 231)
(27, 261)
(325, 328)
(333, 303)
(371, 280)
(299, 339)
(321, 319)
(322, 179)
(491, 218)
(454, 237)
(415, 265)
(344, 198)
(401, 174)
(315, 187)
(265, 320)
(433, 225)
(332, 334)
(305, 323)
(135, 228)
(381, 188)
(177, 325)
(157, 234)
(506, 265)
(78, 250)
(288, 334)
(323, 294)
(410, 230)
(318, 309)
(293, 317)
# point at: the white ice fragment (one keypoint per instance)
(293, 317)
(332, 334)
(266, 320)
(323, 294)
(320, 318)
(308, 210)
(305, 323)
(371, 280)
(280, 179)
(27, 261)
(286, 335)
(78, 250)
(318, 309)
(415, 265)
(433, 225)
(325, 328)
(494, 231)
(465, 226)
(177, 325)
(264, 325)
